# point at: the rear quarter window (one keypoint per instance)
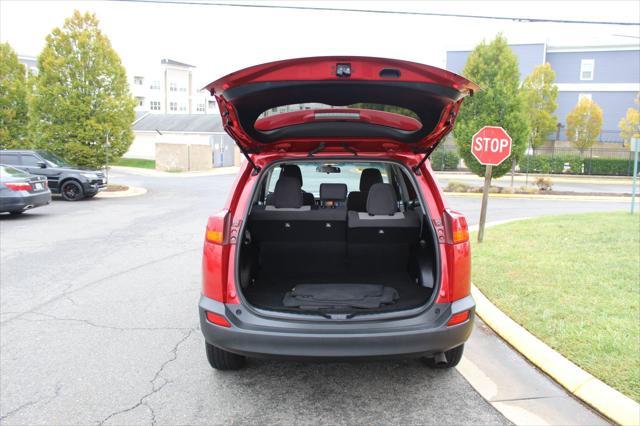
(11, 159)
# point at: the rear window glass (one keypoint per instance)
(8, 159)
(313, 176)
(314, 105)
(9, 172)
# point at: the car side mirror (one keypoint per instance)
(42, 164)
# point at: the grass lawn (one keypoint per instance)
(574, 282)
(135, 162)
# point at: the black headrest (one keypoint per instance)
(381, 200)
(333, 191)
(287, 193)
(291, 170)
(368, 178)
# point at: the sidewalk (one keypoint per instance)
(521, 178)
(156, 173)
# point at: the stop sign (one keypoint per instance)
(491, 145)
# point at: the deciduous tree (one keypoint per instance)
(494, 67)
(13, 100)
(630, 124)
(539, 95)
(584, 123)
(82, 95)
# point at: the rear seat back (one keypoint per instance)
(290, 221)
(382, 222)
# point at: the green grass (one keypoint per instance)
(135, 162)
(574, 282)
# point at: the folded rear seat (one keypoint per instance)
(382, 236)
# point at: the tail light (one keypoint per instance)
(218, 228)
(218, 319)
(458, 252)
(216, 260)
(18, 186)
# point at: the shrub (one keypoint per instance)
(442, 159)
(551, 164)
(544, 183)
(454, 186)
(608, 166)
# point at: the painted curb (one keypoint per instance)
(543, 197)
(133, 191)
(592, 391)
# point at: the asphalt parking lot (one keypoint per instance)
(99, 324)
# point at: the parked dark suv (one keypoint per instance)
(73, 183)
(336, 240)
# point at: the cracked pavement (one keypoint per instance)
(99, 325)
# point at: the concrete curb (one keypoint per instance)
(603, 180)
(132, 191)
(156, 173)
(543, 197)
(592, 391)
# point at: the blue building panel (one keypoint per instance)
(621, 66)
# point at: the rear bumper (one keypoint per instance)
(24, 202)
(258, 336)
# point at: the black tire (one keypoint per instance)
(71, 190)
(453, 358)
(223, 360)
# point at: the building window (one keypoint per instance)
(140, 100)
(212, 104)
(582, 96)
(173, 106)
(586, 69)
(200, 107)
(155, 85)
(173, 87)
(154, 105)
(183, 89)
(138, 81)
(183, 107)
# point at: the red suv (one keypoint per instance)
(336, 240)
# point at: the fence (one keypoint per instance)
(614, 161)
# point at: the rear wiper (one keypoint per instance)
(317, 149)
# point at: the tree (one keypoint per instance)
(539, 95)
(13, 100)
(82, 95)
(584, 123)
(494, 67)
(630, 124)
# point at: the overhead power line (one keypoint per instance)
(383, 12)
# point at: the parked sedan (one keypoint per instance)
(21, 191)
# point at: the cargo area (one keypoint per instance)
(355, 240)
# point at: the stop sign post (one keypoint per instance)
(491, 145)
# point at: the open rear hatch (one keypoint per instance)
(350, 90)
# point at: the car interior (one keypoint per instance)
(353, 240)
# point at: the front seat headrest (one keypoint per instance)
(293, 171)
(287, 193)
(368, 178)
(381, 200)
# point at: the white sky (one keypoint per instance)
(219, 40)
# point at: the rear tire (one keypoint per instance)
(71, 190)
(453, 358)
(222, 360)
